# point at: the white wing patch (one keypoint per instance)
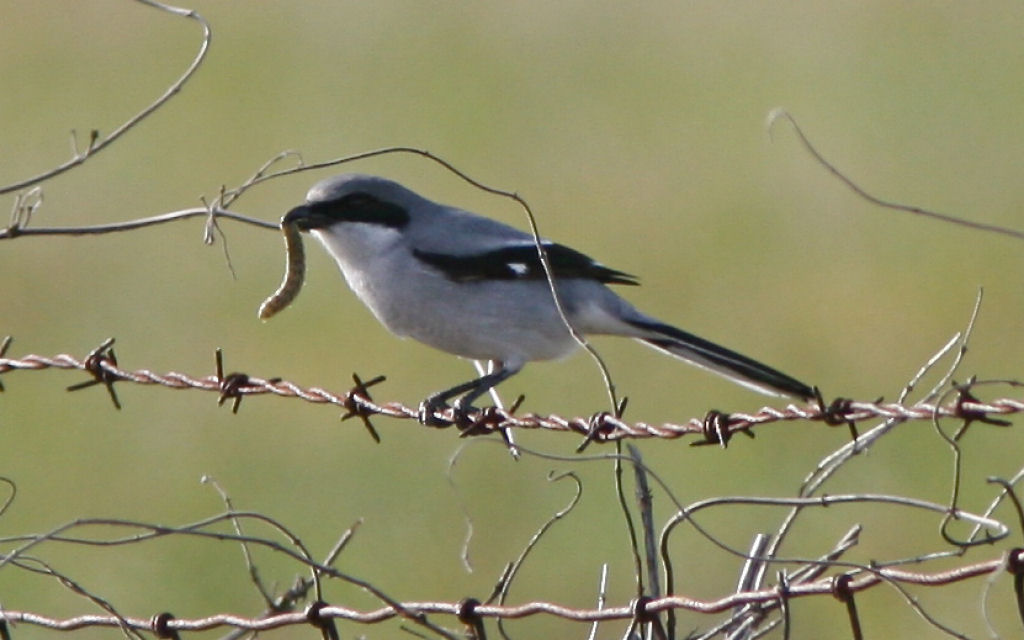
(519, 268)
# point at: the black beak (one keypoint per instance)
(306, 218)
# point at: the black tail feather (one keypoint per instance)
(726, 362)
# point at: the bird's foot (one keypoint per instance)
(428, 411)
(460, 413)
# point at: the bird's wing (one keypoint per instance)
(468, 247)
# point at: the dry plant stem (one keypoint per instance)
(250, 565)
(830, 464)
(833, 462)
(264, 174)
(9, 500)
(1004, 494)
(96, 143)
(862, 578)
(467, 562)
(18, 230)
(1000, 530)
(505, 582)
(645, 505)
(634, 545)
(145, 531)
(37, 566)
(781, 114)
(602, 594)
(744, 619)
(814, 568)
(746, 607)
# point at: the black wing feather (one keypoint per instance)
(521, 262)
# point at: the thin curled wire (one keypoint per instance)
(602, 427)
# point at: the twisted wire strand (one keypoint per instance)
(858, 581)
(601, 426)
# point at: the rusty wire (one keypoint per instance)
(603, 426)
(841, 586)
(747, 604)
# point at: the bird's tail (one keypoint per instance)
(717, 359)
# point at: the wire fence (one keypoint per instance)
(767, 587)
(646, 611)
(750, 611)
(716, 428)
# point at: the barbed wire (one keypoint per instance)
(748, 607)
(716, 428)
(842, 586)
(805, 581)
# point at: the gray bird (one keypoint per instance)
(476, 288)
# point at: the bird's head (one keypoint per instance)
(354, 198)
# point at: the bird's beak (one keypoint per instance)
(306, 218)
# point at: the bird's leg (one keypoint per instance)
(506, 433)
(436, 401)
(468, 392)
(464, 404)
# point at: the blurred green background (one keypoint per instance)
(636, 131)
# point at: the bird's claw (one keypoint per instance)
(427, 413)
(428, 416)
(461, 417)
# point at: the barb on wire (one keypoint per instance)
(212, 211)
(603, 427)
(809, 579)
(100, 363)
(962, 393)
(4, 345)
(1015, 565)
(474, 623)
(230, 384)
(417, 611)
(843, 594)
(358, 403)
(828, 466)
(160, 626)
(140, 532)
